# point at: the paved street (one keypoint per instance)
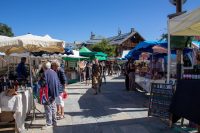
(113, 111)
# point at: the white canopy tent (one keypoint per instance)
(187, 24)
(30, 43)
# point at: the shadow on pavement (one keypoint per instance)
(113, 99)
(140, 125)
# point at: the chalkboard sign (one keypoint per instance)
(160, 100)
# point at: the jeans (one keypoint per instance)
(50, 111)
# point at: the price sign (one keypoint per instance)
(160, 100)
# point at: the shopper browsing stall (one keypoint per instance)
(52, 83)
(131, 65)
(88, 73)
(21, 70)
(55, 65)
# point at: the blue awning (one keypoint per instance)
(145, 46)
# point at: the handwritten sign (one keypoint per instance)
(160, 100)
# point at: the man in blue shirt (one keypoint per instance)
(21, 70)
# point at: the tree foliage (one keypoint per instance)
(104, 46)
(5, 30)
(164, 37)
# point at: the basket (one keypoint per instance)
(6, 116)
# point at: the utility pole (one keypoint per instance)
(178, 6)
(179, 52)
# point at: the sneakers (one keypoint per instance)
(47, 127)
(55, 124)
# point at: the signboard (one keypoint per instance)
(160, 100)
(72, 64)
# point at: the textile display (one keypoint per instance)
(20, 104)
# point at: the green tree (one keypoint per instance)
(164, 37)
(104, 46)
(5, 30)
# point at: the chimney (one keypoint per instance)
(92, 35)
(119, 32)
(132, 30)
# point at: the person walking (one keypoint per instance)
(88, 73)
(96, 77)
(52, 83)
(103, 71)
(126, 73)
(55, 65)
(131, 65)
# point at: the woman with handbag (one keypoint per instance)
(55, 65)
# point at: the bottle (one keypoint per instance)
(190, 74)
(198, 73)
(186, 74)
(193, 73)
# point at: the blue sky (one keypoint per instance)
(73, 20)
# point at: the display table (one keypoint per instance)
(72, 76)
(20, 104)
(145, 82)
(186, 102)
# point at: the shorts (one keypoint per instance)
(60, 101)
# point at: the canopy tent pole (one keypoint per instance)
(31, 81)
(79, 70)
(169, 53)
(31, 78)
(8, 68)
(152, 64)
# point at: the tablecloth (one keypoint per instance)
(145, 83)
(21, 104)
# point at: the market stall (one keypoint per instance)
(71, 66)
(149, 63)
(24, 44)
(185, 101)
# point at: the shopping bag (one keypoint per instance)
(44, 95)
(64, 95)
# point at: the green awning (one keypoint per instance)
(84, 49)
(88, 53)
(101, 58)
(101, 54)
(75, 58)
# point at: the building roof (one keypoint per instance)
(121, 38)
(114, 40)
(95, 40)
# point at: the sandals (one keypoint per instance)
(58, 114)
(61, 117)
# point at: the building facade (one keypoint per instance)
(126, 41)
